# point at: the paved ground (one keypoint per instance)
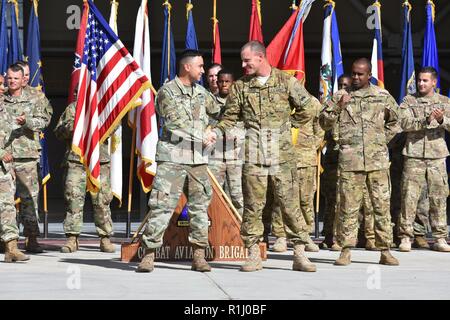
(89, 274)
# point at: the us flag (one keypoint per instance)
(110, 82)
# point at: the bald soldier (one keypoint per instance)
(269, 102)
(363, 117)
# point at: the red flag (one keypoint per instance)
(217, 52)
(110, 83)
(255, 23)
(75, 76)
(286, 51)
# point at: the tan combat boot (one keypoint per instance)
(370, 245)
(335, 247)
(311, 246)
(12, 253)
(71, 244)
(253, 262)
(441, 245)
(301, 262)
(32, 245)
(106, 245)
(280, 245)
(405, 245)
(344, 258)
(199, 262)
(388, 259)
(147, 262)
(421, 243)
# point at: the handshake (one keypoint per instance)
(210, 138)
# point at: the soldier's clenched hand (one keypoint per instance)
(344, 100)
(21, 119)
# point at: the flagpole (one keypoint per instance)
(130, 178)
(45, 212)
(316, 218)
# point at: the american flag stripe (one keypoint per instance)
(110, 83)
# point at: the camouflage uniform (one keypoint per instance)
(24, 142)
(425, 152)
(74, 177)
(310, 137)
(182, 162)
(364, 130)
(8, 223)
(269, 155)
(225, 161)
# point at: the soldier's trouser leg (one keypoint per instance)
(8, 223)
(413, 181)
(328, 189)
(277, 220)
(369, 219)
(396, 170)
(307, 187)
(218, 169)
(27, 185)
(421, 223)
(379, 187)
(74, 180)
(269, 207)
(198, 191)
(101, 203)
(254, 183)
(437, 180)
(234, 182)
(169, 183)
(351, 188)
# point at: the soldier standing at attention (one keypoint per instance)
(182, 164)
(32, 117)
(424, 154)
(225, 160)
(264, 100)
(363, 117)
(74, 179)
(9, 232)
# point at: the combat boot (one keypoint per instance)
(335, 247)
(147, 262)
(280, 245)
(405, 245)
(311, 246)
(199, 263)
(31, 245)
(441, 245)
(421, 243)
(301, 262)
(71, 244)
(370, 245)
(388, 259)
(106, 245)
(253, 262)
(12, 253)
(344, 258)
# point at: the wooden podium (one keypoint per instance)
(225, 243)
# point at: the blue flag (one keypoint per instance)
(430, 52)
(3, 39)
(408, 78)
(34, 60)
(168, 64)
(191, 35)
(338, 66)
(14, 48)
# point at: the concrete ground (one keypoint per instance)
(89, 274)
